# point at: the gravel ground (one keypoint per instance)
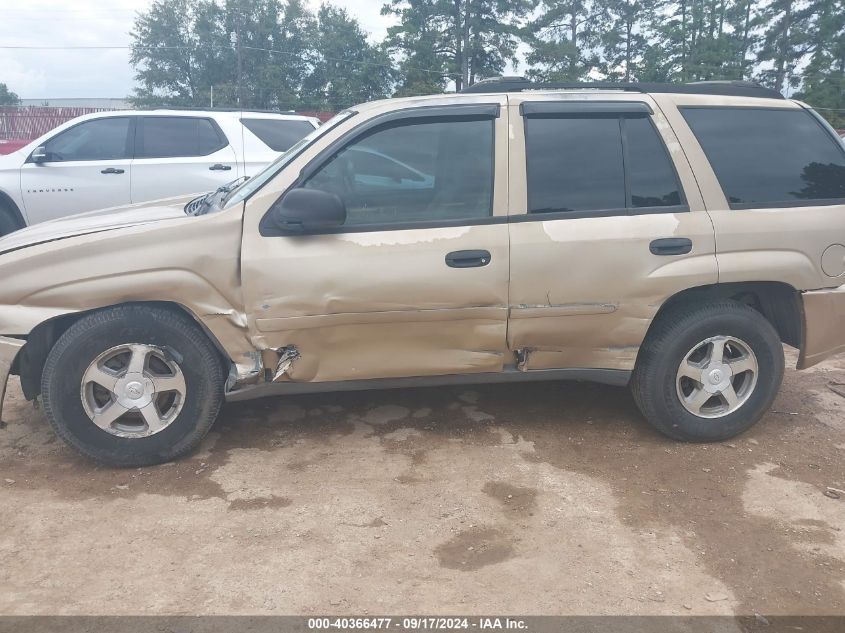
(545, 498)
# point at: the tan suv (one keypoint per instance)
(666, 237)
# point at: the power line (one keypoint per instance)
(355, 61)
(254, 48)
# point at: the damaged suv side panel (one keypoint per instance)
(147, 263)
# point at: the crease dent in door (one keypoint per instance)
(607, 328)
(471, 344)
(385, 305)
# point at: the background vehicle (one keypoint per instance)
(117, 158)
(669, 238)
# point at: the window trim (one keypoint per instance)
(580, 109)
(396, 118)
(621, 117)
(130, 140)
(779, 204)
(139, 142)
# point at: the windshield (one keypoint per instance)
(255, 183)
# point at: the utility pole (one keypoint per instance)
(238, 55)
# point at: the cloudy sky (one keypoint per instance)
(55, 73)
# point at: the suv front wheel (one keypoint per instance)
(133, 385)
(708, 372)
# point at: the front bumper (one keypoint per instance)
(9, 348)
(824, 326)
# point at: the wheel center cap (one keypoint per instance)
(716, 377)
(134, 390)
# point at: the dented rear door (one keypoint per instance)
(416, 282)
(606, 224)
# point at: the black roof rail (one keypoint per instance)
(179, 108)
(723, 88)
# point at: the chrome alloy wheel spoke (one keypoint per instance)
(717, 376)
(133, 390)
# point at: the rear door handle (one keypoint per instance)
(220, 167)
(468, 259)
(670, 246)
(112, 170)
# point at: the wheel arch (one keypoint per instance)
(10, 207)
(29, 364)
(780, 304)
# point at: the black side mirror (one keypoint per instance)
(39, 154)
(306, 210)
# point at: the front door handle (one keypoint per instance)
(112, 170)
(670, 246)
(220, 167)
(468, 259)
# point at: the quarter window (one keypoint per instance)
(429, 171)
(770, 157)
(172, 137)
(278, 134)
(603, 165)
(100, 139)
(651, 175)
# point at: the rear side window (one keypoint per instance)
(171, 137)
(602, 165)
(278, 134)
(770, 157)
(574, 165)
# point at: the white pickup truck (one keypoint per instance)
(111, 159)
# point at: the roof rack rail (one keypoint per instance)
(722, 88)
(223, 109)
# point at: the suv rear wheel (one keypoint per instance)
(708, 372)
(133, 385)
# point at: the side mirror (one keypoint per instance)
(39, 154)
(305, 210)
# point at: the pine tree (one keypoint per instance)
(824, 77)
(563, 41)
(472, 39)
(785, 42)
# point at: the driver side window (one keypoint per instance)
(101, 139)
(434, 170)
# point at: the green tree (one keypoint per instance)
(347, 68)
(625, 37)
(7, 97)
(698, 40)
(563, 40)
(824, 77)
(417, 40)
(472, 39)
(785, 42)
(251, 53)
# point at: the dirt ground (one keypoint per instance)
(545, 498)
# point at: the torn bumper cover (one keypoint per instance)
(9, 348)
(824, 326)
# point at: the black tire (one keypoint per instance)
(92, 335)
(671, 338)
(8, 222)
